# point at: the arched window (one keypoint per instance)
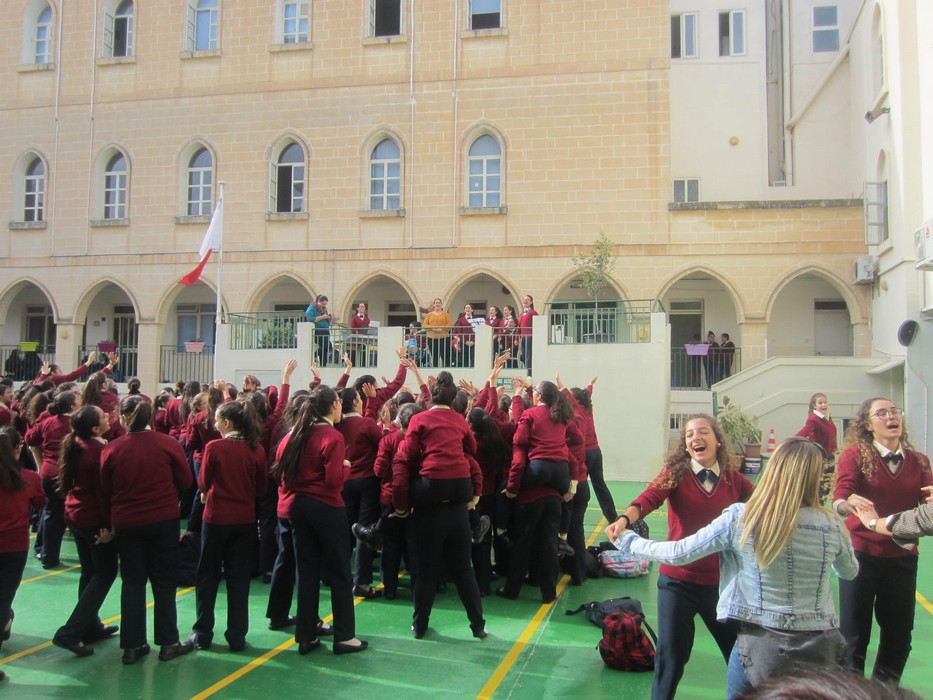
(43, 41)
(485, 172)
(115, 188)
(202, 25)
(385, 176)
(34, 191)
(118, 31)
(287, 188)
(200, 183)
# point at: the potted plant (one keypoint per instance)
(196, 345)
(106, 346)
(742, 428)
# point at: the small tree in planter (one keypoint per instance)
(742, 428)
(594, 270)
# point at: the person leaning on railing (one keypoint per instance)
(437, 323)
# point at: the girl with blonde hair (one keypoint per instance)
(776, 552)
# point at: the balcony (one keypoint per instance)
(600, 321)
(22, 362)
(700, 371)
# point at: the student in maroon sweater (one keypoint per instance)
(698, 481)
(525, 321)
(95, 393)
(436, 472)
(79, 484)
(820, 429)
(546, 467)
(19, 490)
(141, 474)
(53, 373)
(233, 474)
(879, 469)
(492, 453)
(312, 470)
(361, 489)
(45, 437)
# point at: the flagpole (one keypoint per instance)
(220, 269)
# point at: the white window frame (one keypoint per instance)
(111, 22)
(198, 18)
(115, 188)
(297, 176)
(875, 204)
(43, 36)
(301, 18)
(199, 184)
(471, 14)
(478, 183)
(34, 186)
(685, 184)
(824, 29)
(385, 200)
(683, 18)
(736, 19)
(374, 6)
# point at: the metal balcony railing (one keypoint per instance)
(127, 367)
(600, 321)
(273, 330)
(700, 372)
(23, 361)
(178, 364)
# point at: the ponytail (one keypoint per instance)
(82, 427)
(136, 413)
(10, 477)
(318, 405)
(244, 419)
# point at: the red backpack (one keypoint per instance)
(625, 646)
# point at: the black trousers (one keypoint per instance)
(482, 552)
(394, 540)
(441, 535)
(12, 565)
(320, 539)
(148, 553)
(594, 470)
(546, 472)
(887, 588)
(361, 497)
(266, 515)
(535, 533)
(575, 511)
(440, 351)
(51, 524)
(679, 603)
(98, 572)
(282, 589)
(228, 551)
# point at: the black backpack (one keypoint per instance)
(597, 611)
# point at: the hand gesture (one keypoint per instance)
(104, 536)
(91, 356)
(289, 368)
(113, 358)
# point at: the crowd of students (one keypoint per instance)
(462, 483)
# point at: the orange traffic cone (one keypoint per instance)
(772, 443)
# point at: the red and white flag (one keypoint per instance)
(212, 239)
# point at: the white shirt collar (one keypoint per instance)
(884, 451)
(819, 415)
(697, 467)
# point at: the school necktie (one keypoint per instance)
(707, 477)
(893, 458)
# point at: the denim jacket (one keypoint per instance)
(793, 593)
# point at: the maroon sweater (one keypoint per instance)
(14, 513)
(362, 436)
(141, 474)
(822, 431)
(48, 434)
(232, 475)
(891, 493)
(383, 464)
(57, 379)
(538, 436)
(689, 508)
(439, 445)
(200, 435)
(321, 474)
(84, 504)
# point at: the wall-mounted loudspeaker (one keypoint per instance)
(907, 332)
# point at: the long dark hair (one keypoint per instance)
(491, 447)
(63, 404)
(559, 407)
(258, 401)
(582, 397)
(348, 397)
(83, 422)
(191, 390)
(93, 390)
(215, 398)
(136, 413)
(133, 385)
(677, 461)
(244, 419)
(319, 405)
(10, 477)
(444, 390)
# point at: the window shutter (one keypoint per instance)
(273, 185)
(107, 47)
(191, 27)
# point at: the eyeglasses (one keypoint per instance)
(888, 413)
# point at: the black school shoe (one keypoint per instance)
(131, 656)
(102, 632)
(79, 649)
(173, 651)
(368, 593)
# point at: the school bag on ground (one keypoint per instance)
(622, 564)
(597, 610)
(625, 646)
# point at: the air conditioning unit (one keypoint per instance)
(923, 244)
(866, 269)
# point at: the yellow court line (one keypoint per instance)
(260, 660)
(46, 645)
(503, 669)
(928, 606)
(51, 573)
